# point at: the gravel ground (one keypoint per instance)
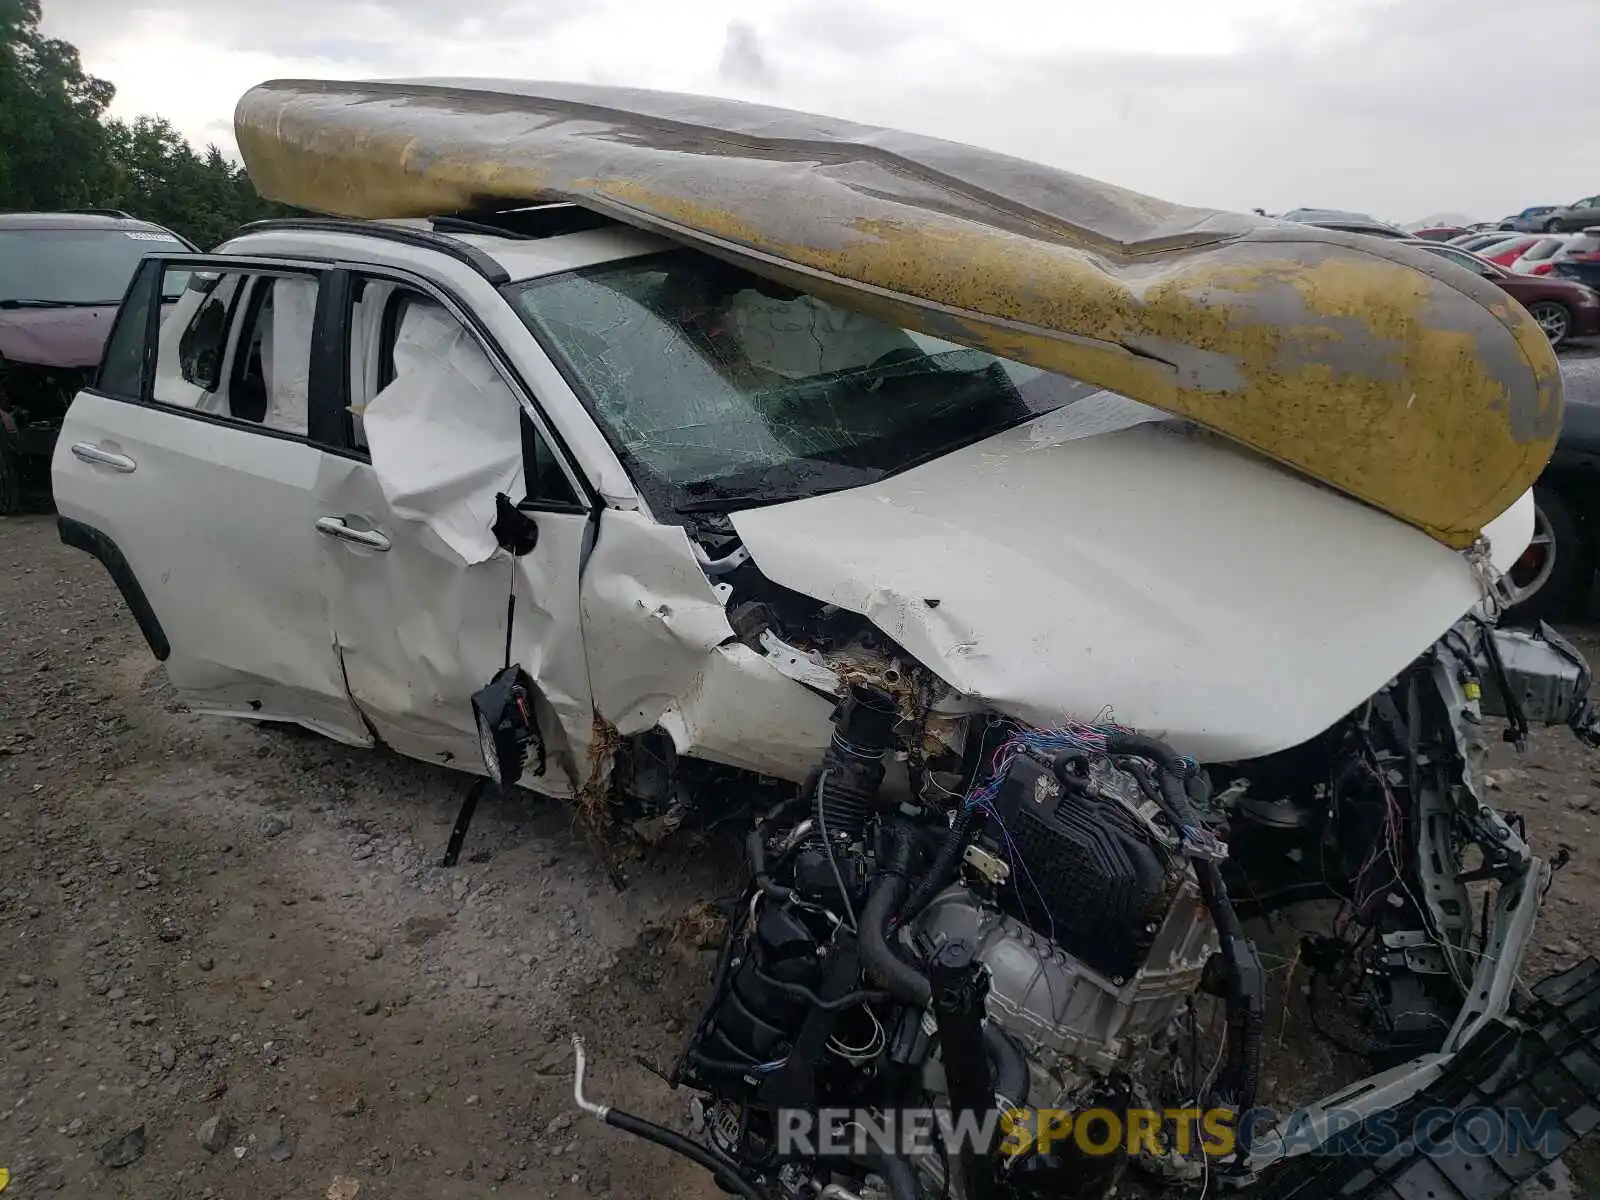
(229, 969)
(206, 919)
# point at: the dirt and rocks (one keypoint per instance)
(230, 968)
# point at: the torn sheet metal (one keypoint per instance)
(1236, 627)
(651, 619)
(443, 435)
(1387, 373)
(418, 631)
(743, 711)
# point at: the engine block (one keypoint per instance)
(1098, 934)
(1093, 871)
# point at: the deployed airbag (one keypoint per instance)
(443, 435)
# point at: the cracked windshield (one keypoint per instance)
(730, 391)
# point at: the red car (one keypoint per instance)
(1508, 252)
(1562, 307)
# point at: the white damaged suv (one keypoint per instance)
(555, 501)
(733, 497)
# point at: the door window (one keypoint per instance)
(238, 345)
(418, 376)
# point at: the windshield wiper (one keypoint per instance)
(726, 495)
(19, 303)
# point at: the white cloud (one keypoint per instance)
(1398, 107)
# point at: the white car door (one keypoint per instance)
(189, 469)
(420, 588)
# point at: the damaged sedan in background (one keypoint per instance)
(62, 276)
(1051, 579)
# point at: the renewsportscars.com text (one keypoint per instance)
(1216, 1132)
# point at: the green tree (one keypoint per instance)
(58, 150)
(52, 141)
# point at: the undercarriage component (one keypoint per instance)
(1514, 1099)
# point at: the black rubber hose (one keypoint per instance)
(1245, 999)
(1245, 995)
(723, 1171)
(1174, 771)
(755, 850)
(898, 1175)
(1009, 1064)
(943, 870)
(800, 992)
(884, 967)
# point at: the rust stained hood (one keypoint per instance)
(1384, 372)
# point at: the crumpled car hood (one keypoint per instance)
(55, 337)
(1103, 558)
(1379, 369)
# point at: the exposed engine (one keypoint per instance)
(961, 916)
(1054, 918)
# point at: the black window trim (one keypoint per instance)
(229, 317)
(528, 403)
(329, 428)
(147, 280)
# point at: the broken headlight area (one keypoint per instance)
(958, 913)
(33, 401)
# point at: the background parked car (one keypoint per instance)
(1555, 575)
(1562, 307)
(1529, 220)
(1476, 241)
(1578, 247)
(1507, 252)
(1543, 250)
(1439, 233)
(1345, 222)
(62, 276)
(1580, 214)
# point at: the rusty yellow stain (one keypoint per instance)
(1362, 372)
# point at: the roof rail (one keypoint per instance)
(102, 212)
(468, 225)
(424, 239)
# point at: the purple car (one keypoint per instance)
(62, 276)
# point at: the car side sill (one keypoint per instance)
(89, 539)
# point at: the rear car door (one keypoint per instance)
(437, 424)
(189, 468)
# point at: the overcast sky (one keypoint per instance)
(1402, 108)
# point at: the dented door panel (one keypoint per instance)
(651, 619)
(419, 630)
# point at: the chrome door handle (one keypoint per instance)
(336, 527)
(103, 458)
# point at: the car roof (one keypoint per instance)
(104, 218)
(1327, 214)
(534, 258)
(1349, 222)
(1436, 247)
(511, 256)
